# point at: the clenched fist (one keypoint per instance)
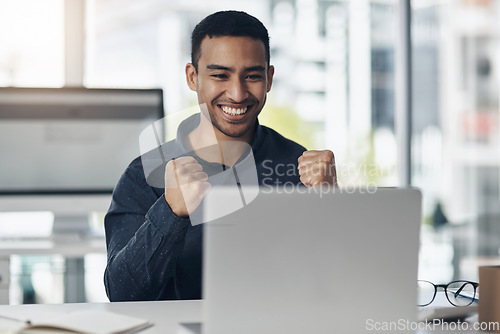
(185, 185)
(317, 168)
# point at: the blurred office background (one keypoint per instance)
(334, 88)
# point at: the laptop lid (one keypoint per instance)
(298, 261)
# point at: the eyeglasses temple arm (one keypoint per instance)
(461, 288)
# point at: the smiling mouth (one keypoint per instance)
(234, 111)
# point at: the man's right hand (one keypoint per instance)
(185, 185)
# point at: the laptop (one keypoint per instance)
(307, 261)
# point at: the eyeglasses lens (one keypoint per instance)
(425, 293)
(460, 293)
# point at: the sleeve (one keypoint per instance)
(144, 239)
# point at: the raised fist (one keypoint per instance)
(317, 168)
(185, 185)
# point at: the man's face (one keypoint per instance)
(233, 79)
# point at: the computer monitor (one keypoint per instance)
(64, 149)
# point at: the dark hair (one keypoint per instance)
(227, 23)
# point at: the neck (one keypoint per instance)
(211, 145)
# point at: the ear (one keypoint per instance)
(191, 77)
(270, 74)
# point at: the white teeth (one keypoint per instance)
(234, 111)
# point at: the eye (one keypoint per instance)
(254, 76)
(219, 76)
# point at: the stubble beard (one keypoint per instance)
(226, 127)
(231, 132)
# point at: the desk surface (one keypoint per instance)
(164, 314)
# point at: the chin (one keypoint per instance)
(235, 133)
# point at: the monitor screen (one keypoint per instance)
(71, 140)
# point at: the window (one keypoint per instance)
(455, 142)
(32, 38)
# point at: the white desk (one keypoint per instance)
(164, 314)
(70, 246)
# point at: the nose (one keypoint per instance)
(237, 90)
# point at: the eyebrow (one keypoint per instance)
(257, 68)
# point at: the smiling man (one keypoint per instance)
(232, 76)
(154, 252)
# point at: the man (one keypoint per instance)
(154, 252)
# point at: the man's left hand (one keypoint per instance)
(317, 168)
